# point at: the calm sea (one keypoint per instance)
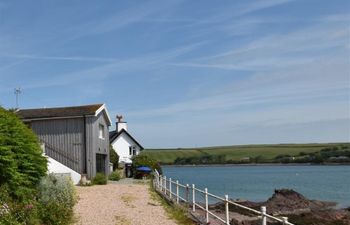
(257, 183)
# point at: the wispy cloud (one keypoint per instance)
(114, 68)
(60, 58)
(121, 19)
(275, 51)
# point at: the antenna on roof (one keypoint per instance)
(17, 92)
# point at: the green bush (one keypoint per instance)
(15, 212)
(113, 157)
(99, 179)
(144, 160)
(21, 161)
(114, 176)
(56, 198)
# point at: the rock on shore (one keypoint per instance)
(300, 210)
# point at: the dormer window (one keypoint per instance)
(101, 131)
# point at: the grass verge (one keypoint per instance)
(173, 211)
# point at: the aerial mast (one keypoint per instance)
(17, 93)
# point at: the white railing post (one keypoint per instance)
(165, 185)
(263, 215)
(193, 198)
(177, 192)
(161, 183)
(158, 181)
(170, 188)
(285, 220)
(187, 193)
(206, 205)
(227, 210)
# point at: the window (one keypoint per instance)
(132, 150)
(101, 131)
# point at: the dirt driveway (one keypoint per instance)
(119, 203)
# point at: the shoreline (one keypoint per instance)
(255, 164)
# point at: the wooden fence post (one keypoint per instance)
(177, 192)
(263, 215)
(206, 205)
(193, 198)
(227, 211)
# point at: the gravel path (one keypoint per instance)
(119, 203)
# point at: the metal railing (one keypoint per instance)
(177, 192)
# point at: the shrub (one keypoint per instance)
(99, 179)
(56, 197)
(114, 176)
(21, 161)
(144, 160)
(113, 157)
(15, 212)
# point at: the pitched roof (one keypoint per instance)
(59, 112)
(113, 135)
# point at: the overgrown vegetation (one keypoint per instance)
(99, 179)
(21, 161)
(115, 176)
(27, 196)
(144, 160)
(173, 211)
(56, 200)
(113, 157)
(279, 153)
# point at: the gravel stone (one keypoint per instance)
(119, 204)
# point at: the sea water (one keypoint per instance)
(257, 183)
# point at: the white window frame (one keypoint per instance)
(101, 131)
(132, 150)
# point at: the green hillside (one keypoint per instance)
(240, 153)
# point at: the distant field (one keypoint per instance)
(237, 152)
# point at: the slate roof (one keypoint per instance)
(114, 135)
(73, 111)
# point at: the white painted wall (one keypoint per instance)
(121, 146)
(53, 166)
(56, 167)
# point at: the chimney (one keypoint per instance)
(120, 124)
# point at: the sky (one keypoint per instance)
(186, 73)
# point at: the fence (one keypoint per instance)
(178, 193)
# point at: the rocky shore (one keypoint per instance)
(296, 207)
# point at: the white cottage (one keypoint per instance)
(124, 144)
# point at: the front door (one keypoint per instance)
(100, 163)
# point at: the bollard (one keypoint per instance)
(263, 215)
(227, 210)
(206, 205)
(177, 192)
(193, 198)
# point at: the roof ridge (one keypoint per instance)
(61, 107)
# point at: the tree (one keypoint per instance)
(21, 161)
(113, 157)
(144, 160)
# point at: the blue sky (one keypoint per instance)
(186, 73)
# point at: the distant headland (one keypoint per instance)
(313, 153)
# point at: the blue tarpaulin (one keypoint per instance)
(144, 169)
